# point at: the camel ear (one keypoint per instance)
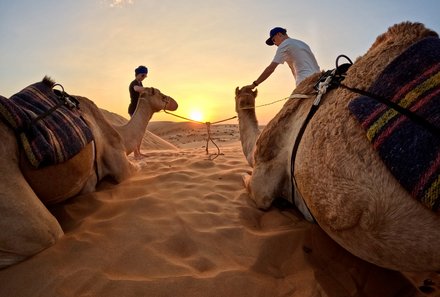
(255, 93)
(237, 90)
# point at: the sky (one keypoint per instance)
(196, 51)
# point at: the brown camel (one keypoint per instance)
(345, 185)
(28, 227)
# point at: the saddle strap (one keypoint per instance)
(329, 80)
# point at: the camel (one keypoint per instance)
(28, 226)
(346, 187)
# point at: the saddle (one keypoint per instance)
(47, 123)
(409, 150)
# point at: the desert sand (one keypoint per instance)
(185, 226)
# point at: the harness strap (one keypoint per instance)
(64, 99)
(327, 81)
(295, 192)
(406, 112)
(40, 117)
(95, 161)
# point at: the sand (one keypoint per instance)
(185, 226)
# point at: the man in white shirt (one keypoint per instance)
(295, 52)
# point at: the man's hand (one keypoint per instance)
(252, 86)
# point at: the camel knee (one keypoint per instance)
(18, 247)
(26, 235)
(262, 201)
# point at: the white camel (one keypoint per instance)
(27, 225)
(347, 188)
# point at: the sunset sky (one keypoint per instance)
(197, 51)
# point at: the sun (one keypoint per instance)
(196, 115)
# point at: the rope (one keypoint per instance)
(293, 96)
(208, 124)
(210, 156)
(208, 129)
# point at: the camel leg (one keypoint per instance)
(246, 180)
(27, 226)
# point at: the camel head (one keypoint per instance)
(158, 101)
(244, 98)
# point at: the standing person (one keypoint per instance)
(296, 53)
(136, 88)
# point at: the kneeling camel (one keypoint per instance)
(27, 225)
(345, 185)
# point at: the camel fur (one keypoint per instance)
(347, 188)
(28, 227)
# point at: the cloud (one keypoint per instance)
(119, 3)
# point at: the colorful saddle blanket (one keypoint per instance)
(409, 150)
(50, 139)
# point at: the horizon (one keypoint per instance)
(197, 52)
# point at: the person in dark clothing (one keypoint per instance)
(136, 88)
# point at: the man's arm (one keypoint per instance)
(139, 89)
(264, 75)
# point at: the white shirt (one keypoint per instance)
(298, 56)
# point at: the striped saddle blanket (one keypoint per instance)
(48, 134)
(409, 150)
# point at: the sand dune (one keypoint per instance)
(185, 226)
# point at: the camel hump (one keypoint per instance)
(50, 131)
(48, 81)
(409, 149)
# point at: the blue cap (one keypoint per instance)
(274, 32)
(141, 70)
